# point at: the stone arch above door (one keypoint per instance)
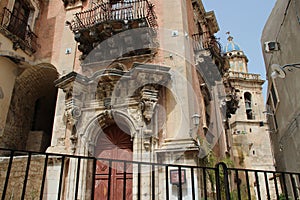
(100, 122)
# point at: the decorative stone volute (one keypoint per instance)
(74, 85)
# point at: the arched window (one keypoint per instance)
(248, 105)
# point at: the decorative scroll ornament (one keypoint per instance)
(73, 114)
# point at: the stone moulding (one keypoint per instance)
(112, 96)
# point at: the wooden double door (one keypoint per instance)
(114, 143)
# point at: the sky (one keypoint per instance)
(245, 20)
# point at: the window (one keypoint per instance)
(248, 105)
(271, 116)
(274, 96)
(19, 19)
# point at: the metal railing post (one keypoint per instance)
(225, 181)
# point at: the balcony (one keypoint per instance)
(19, 32)
(245, 76)
(205, 40)
(105, 20)
(200, 41)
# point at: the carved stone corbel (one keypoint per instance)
(149, 98)
(148, 108)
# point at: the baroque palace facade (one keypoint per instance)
(132, 80)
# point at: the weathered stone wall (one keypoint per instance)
(17, 174)
(36, 141)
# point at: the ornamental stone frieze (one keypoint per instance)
(134, 93)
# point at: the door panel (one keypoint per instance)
(113, 144)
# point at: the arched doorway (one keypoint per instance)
(113, 143)
(31, 112)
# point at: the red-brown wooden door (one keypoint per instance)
(114, 143)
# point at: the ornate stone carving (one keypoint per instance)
(74, 86)
(70, 3)
(132, 93)
(73, 114)
(148, 109)
(149, 98)
(135, 114)
(73, 139)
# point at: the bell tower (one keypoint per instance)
(248, 127)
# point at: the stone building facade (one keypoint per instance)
(283, 96)
(250, 144)
(113, 79)
(282, 31)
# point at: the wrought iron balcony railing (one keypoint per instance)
(94, 30)
(119, 11)
(204, 40)
(200, 41)
(18, 31)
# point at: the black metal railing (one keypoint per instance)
(20, 31)
(204, 40)
(104, 12)
(32, 175)
(200, 41)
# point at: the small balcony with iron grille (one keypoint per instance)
(205, 41)
(115, 29)
(18, 31)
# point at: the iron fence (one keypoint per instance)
(32, 175)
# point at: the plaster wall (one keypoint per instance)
(283, 27)
(8, 73)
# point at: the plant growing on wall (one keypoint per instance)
(210, 161)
